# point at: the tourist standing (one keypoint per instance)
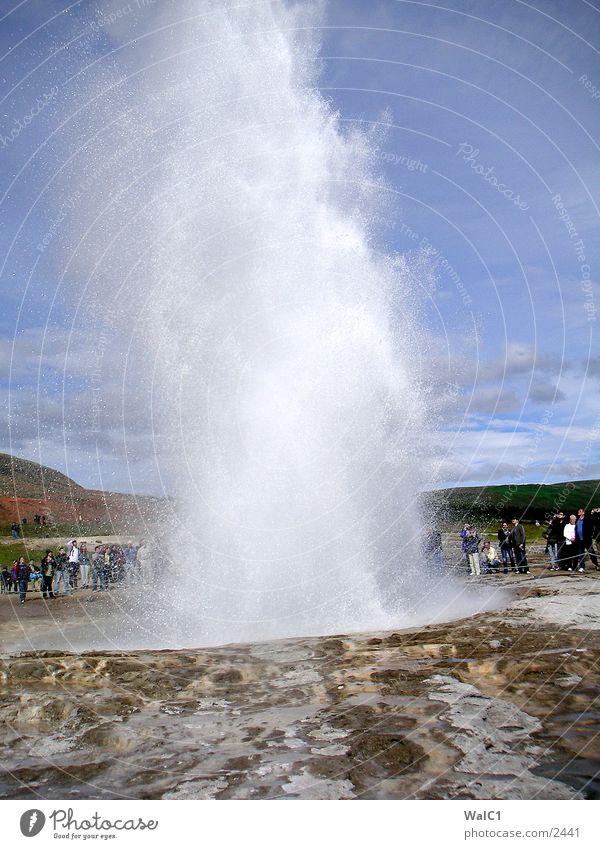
(432, 550)
(84, 565)
(506, 551)
(73, 561)
(595, 523)
(568, 552)
(518, 544)
(472, 541)
(47, 568)
(585, 539)
(35, 576)
(129, 552)
(463, 535)
(22, 578)
(63, 572)
(555, 538)
(99, 570)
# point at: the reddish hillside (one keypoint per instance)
(27, 489)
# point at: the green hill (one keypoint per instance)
(26, 479)
(527, 501)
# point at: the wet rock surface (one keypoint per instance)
(499, 706)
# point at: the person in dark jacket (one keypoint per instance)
(99, 570)
(505, 545)
(518, 545)
(62, 572)
(23, 578)
(47, 568)
(585, 539)
(554, 538)
(595, 522)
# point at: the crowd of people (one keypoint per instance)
(569, 542)
(72, 567)
(482, 554)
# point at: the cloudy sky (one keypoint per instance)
(486, 123)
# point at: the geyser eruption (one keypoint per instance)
(285, 351)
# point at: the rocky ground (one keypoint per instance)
(502, 705)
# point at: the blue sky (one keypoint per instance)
(488, 129)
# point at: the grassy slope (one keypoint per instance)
(65, 530)
(530, 501)
(13, 551)
(486, 505)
